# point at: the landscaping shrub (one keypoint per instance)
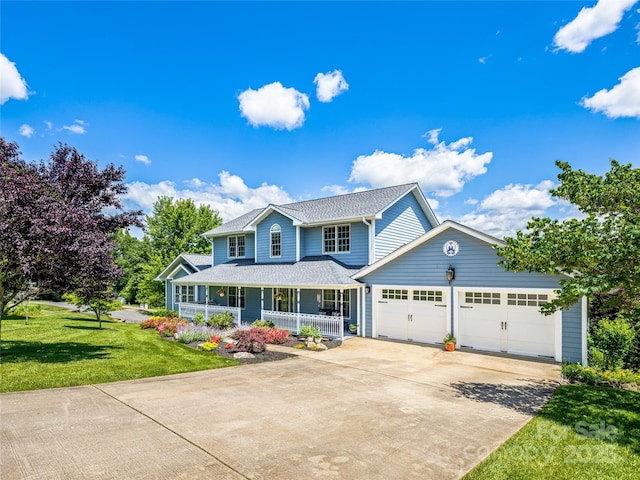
(263, 323)
(614, 338)
(192, 333)
(309, 331)
(252, 340)
(221, 320)
(152, 322)
(214, 338)
(277, 336)
(199, 319)
(209, 346)
(576, 373)
(169, 326)
(166, 313)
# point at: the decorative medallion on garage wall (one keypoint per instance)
(451, 248)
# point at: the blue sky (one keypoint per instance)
(241, 104)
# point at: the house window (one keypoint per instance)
(283, 299)
(331, 302)
(276, 240)
(184, 293)
(237, 247)
(393, 294)
(236, 297)
(336, 239)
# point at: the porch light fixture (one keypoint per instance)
(367, 289)
(451, 274)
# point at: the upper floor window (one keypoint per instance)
(336, 239)
(237, 247)
(276, 241)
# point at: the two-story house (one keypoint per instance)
(378, 259)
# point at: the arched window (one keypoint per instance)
(276, 241)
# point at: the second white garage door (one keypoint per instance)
(417, 314)
(506, 322)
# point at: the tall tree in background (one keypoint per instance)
(57, 221)
(173, 227)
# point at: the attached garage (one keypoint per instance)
(416, 314)
(507, 321)
(449, 280)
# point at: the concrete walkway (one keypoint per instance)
(367, 410)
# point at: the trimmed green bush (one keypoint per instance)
(614, 338)
(309, 331)
(221, 320)
(199, 319)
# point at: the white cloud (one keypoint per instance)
(274, 106)
(329, 85)
(12, 85)
(78, 127)
(142, 159)
(26, 130)
(590, 24)
(623, 100)
(442, 170)
(509, 209)
(48, 124)
(482, 60)
(231, 197)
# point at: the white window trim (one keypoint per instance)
(271, 232)
(240, 293)
(229, 246)
(335, 227)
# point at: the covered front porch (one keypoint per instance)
(330, 310)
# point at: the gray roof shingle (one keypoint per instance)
(308, 272)
(351, 205)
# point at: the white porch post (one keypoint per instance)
(206, 302)
(298, 310)
(261, 303)
(341, 314)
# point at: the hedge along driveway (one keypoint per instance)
(369, 409)
(60, 348)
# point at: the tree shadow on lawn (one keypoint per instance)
(61, 352)
(527, 398)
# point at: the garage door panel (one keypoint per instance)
(414, 313)
(508, 322)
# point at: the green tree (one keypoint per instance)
(173, 227)
(599, 251)
(129, 257)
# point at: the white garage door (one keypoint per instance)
(506, 322)
(417, 314)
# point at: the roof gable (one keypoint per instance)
(446, 225)
(188, 262)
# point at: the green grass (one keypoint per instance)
(584, 432)
(60, 348)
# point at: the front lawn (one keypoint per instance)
(583, 432)
(60, 348)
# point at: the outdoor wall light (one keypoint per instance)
(451, 274)
(367, 289)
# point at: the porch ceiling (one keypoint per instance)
(309, 272)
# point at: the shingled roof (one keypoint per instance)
(308, 272)
(368, 203)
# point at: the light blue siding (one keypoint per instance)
(311, 244)
(221, 248)
(402, 222)
(475, 266)
(572, 334)
(288, 239)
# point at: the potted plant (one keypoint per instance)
(353, 328)
(220, 291)
(278, 295)
(449, 342)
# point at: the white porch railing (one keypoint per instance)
(189, 310)
(329, 325)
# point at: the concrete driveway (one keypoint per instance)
(370, 409)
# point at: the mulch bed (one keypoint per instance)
(267, 356)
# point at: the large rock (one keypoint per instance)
(241, 355)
